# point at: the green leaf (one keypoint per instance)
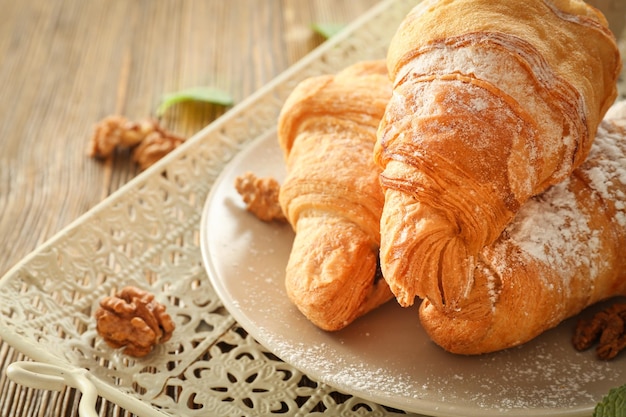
(613, 404)
(328, 30)
(202, 94)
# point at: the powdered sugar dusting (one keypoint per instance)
(549, 229)
(553, 229)
(344, 372)
(539, 376)
(522, 76)
(605, 168)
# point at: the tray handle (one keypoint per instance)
(51, 377)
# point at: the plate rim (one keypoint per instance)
(426, 407)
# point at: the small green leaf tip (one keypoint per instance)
(613, 404)
(328, 30)
(202, 94)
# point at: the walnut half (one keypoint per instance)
(149, 140)
(260, 196)
(134, 320)
(607, 328)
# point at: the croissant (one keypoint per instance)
(331, 195)
(493, 101)
(563, 252)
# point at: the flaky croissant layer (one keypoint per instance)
(332, 196)
(562, 253)
(493, 101)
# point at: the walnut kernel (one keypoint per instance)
(260, 196)
(607, 328)
(148, 138)
(134, 320)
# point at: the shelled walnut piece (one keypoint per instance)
(134, 320)
(260, 196)
(150, 140)
(607, 327)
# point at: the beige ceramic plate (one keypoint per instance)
(385, 356)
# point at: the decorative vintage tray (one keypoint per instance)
(149, 234)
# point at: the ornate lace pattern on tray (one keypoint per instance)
(147, 235)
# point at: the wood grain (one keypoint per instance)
(66, 64)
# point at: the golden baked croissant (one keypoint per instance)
(331, 195)
(493, 101)
(563, 252)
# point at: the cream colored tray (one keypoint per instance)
(147, 234)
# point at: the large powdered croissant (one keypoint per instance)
(563, 252)
(332, 196)
(493, 102)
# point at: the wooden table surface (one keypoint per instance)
(66, 64)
